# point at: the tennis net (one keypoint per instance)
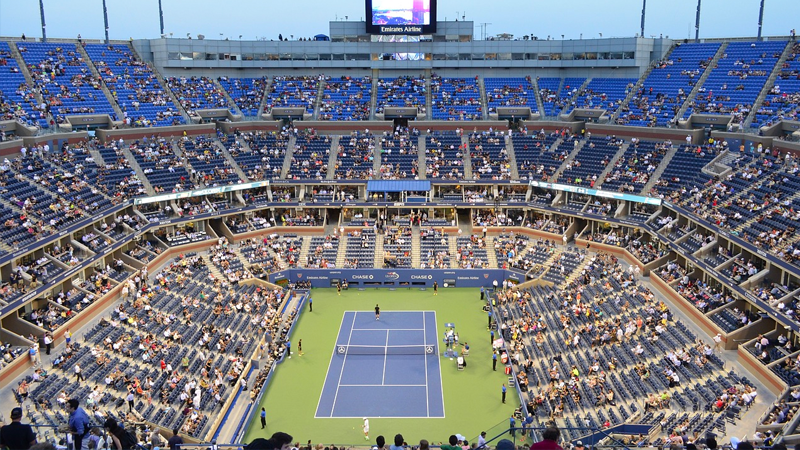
(386, 349)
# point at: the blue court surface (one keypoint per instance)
(384, 368)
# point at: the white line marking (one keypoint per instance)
(441, 384)
(383, 385)
(344, 361)
(385, 357)
(425, 341)
(393, 329)
(378, 417)
(333, 354)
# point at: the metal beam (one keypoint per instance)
(760, 19)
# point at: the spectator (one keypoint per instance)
(550, 438)
(175, 440)
(16, 435)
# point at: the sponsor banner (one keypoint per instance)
(396, 277)
(596, 192)
(200, 192)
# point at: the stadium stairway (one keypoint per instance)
(451, 241)
(428, 94)
(95, 73)
(512, 158)
(264, 98)
(98, 158)
(612, 163)
(768, 85)
(421, 149)
(415, 243)
(139, 172)
(378, 257)
(539, 103)
(239, 172)
(569, 159)
(304, 251)
(467, 158)
(377, 156)
(624, 104)
(659, 170)
(578, 92)
(490, 253)
(231, 104)
(27, 74)
(690, 98)
(318, 102)
(373, 99)
(331, 175)
(340, 254)
(287, 160)
(484, 99)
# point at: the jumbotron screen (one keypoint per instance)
(401, 16)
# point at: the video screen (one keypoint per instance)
(401, 12)
(409, 17)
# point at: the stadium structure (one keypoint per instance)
(236, 175)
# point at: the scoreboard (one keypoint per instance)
(411, 17)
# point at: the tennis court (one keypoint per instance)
(384, 368)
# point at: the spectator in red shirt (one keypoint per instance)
(549, 441)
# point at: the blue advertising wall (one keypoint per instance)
(398, 277)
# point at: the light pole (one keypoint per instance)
(697, 23)
(105, 19)
(161, 16)
(644, 8)
(44, 25)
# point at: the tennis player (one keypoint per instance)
(365, 427)
(435, 288)
(377, 314)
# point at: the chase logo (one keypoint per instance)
(392, 275)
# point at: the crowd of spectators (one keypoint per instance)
(402, 91)
(197, 93)
(346, 98)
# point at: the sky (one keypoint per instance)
(259, 19)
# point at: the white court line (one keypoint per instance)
(333, 354)
(392, 329)
(425, 341)
(344, 361)
(381, 417)
(385, 357)
(383, 385)
(441, 384)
